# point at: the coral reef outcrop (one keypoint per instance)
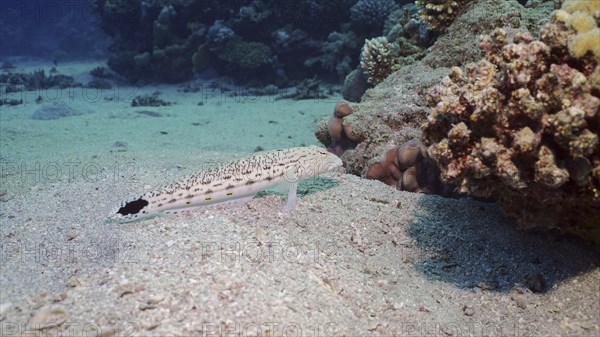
(334, 54)
(523, 124)
(404, 42)
(390, 115)
(170, 40)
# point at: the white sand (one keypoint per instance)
(359, 258)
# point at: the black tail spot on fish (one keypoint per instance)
(133, 207)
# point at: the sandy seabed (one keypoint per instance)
(356, 258)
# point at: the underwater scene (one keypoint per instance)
(300, 168)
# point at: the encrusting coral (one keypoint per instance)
(458, 45)
(523, 124)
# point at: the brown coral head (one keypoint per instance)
(408, 155)
(342, 109)
(408, 168)
(387, 171)
(334, 127)
(410, 180)
(341, 133)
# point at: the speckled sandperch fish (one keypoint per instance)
(234, 182)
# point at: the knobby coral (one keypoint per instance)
(384, 55)
(378, 58)
(440, 13)
(523, 124)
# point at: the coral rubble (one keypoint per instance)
(36, 80)
(149, 100)
(523, 124)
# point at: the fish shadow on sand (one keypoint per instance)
(305, 187)
(472, 244)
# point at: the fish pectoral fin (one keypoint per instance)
(292, 198)
(290, 191)
(291, 182)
